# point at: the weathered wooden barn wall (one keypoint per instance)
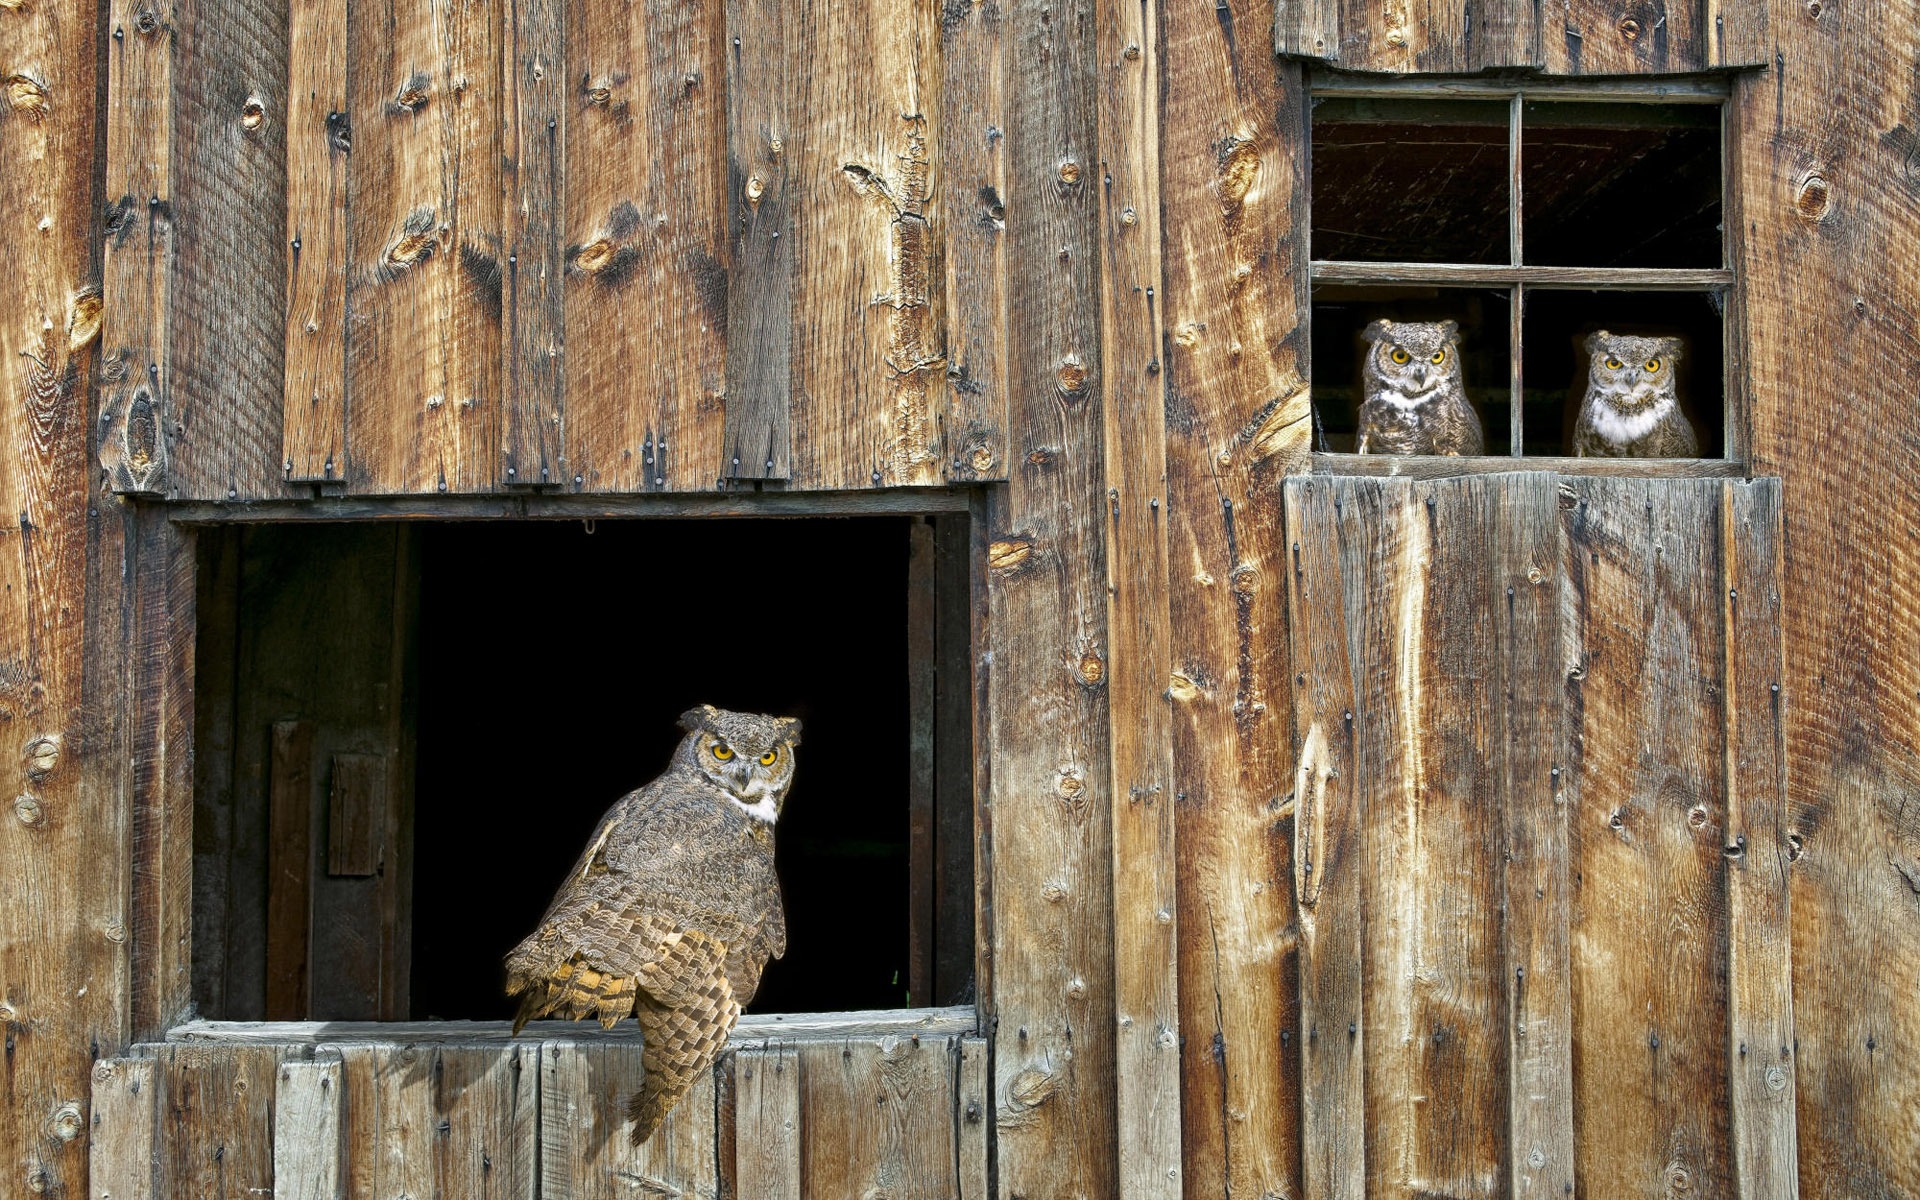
(446, 247)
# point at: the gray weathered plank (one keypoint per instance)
(439, 1121)
(877, 1117)
(972, 1119)
(121, 1137)
(308, 1129)
(536, 117)
(216, 1120)
(768, 1121)
(924, 1022)
(584, 1149)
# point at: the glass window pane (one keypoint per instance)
(1410, 180)
(1620, 185)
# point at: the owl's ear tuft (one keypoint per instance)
(1450, 329)
(790, 730)
(695, 719)
(1378, 330)
(1596, 341)
(1674, 348)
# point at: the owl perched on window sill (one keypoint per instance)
(674, 908)
(1415, 403)
(1631, 409)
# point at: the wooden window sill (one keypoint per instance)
(1427, 466)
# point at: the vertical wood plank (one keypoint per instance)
(215, 673)
(1420, 623)
(762, 128)
(767, 1122)
(954, 753)
(973, 1111)
(972, 202)
(922, 851)
(1237, 418)
(1760, 957)
(319, 140)
(1328, 853)
(1051, 940)
(867, 361)
(878, 1117)
(228, 298)
(121, 1133)
(308, 1128)
(1536, 794)
(584, 1151)
(138, 269)
(423, 334)
(535, 113)
(1133, 436)
(1642, 580)
(1737, 34)
(646, 300)
(216, 1114)
(439, 1121)
(1623, 37)
(356, 812)
(289, 868)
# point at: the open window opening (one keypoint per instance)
(1532, 216)
(406, 732)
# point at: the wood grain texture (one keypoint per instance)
(1568, 37)
(646, 293)
(1051, 945)
(868, 364)
(308, 1129)
(1237, 419)
(133, 306)
(972, 202)
(289, 869)
(752, 1028)
(123, 1118)
(228, 308)
(423, 241)
(1826, 271)
(1643, 592)
(1328, 866)
(216, 1121)
(1623, 37)
(319, 141)
(1759, 853)
(973, 1119)
(877, 1117)
(215, 674)
(439, 1121)
(584, 1151)
(767, 1121)
(1133, 436)
(535, 115)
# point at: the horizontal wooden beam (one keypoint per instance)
(1482, 275)
(1710, 89)
(890, 502)
(753, 1027)
(1425, 466)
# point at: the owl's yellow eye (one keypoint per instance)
(1614, 364)
(1653, 364)
(766, 760)
(1439, 356)
(1400, 356)
(722, 751)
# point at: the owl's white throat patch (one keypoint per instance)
(1618, 427)
(762, 809)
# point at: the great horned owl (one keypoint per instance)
(674, 908)
(1415, 403)
(1631, 409)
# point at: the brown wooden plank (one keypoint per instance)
(355, 814)
(290, 867)
(319, 139)
(440, 1121)
(535, 116)
(1536, 793)
(1328, 859)
(120, 1135)
(1439, 466)
(1139, 655)
(1760, 963)
(767, 1122)
(1420, 623)
(1623, 37)
(972, 1118)
(877, 1117)
(751, 1029)
(1417, 36)
(308, 1128)
(1737, 34)
(216, 603)
(972, 186)
(646, 300)
(229, 208)
(1237, 419)
(584, 1151)
(423, 228)
(1645, 279)
(954, 752)
(762, 125)
(1307, 28)
(867, 361)
(135, 408)
(1642, 583)
(216, 1120)
(1050, 941)
(922, 850)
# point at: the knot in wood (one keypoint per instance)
(1053, 891)
(1813, 197)
(1630, 29)
(1181, 687)
(83, 318)
(980, 460)
(42, 756)
(756, 188)
(253, 114)
(1032, 1087)
(114, 931)
(412, 94)
(1070, 172)
(29, 810)
(1077, 988)
(64, 1124)
(1132, 52)
(28, 96)
(1092, 669)
(1776, 1079)
(1069, 785)
(1071, 375)
(1009, 554)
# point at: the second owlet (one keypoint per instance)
(1631, 409)
(674, 908)
(1415, 403)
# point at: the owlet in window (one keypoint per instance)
(674, 908)
(1415, 403)
(1631, 409)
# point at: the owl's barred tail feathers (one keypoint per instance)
(572, 990)
(681, 1044)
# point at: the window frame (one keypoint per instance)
(1517, 278)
